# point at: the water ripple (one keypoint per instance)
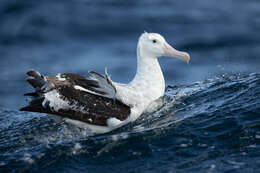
(206, 125)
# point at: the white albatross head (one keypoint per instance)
(154, 45)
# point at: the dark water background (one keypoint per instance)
(210, 121)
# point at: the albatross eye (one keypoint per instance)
(154, 41)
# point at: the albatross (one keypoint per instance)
(96, 102)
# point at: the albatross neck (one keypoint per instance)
(148, 70)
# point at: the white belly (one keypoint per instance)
(92, 129)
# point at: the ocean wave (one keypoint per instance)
(196, 125)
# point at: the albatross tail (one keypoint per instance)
(37, 81)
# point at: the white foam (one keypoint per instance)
(120, 136)
(27, 158)
(76, 149)
(89, 127)
(113, 122)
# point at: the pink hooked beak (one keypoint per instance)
(171, 52)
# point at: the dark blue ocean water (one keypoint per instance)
(210, 119)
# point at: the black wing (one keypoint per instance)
(79, 98)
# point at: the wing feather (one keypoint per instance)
(105, 84)
(91, 100)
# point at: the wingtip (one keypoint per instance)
(22, 109)
(93, 73)
(30, 72)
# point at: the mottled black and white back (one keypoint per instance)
(89, 100)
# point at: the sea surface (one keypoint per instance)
(210, 117)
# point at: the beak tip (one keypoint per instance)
(171, 52)
(187, 58)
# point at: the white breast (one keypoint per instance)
(147, 86)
